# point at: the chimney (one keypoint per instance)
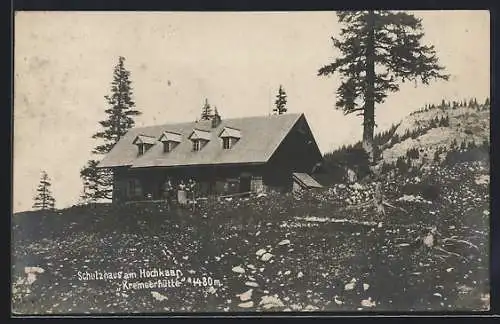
(216, 119)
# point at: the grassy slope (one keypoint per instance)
(321, 257)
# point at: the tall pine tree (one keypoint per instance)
(206, 111)
(43, 199)
(378, 50)
(98, 183)
(280, 102)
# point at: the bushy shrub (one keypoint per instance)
(474, 154)
(429, 191)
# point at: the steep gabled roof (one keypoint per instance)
(144, 139)
(170, 137)
(200, 134)
(230, 132)
(261, 136)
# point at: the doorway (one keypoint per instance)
(245, 182)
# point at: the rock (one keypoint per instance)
(158, 296)
(337, 300)
(260, 252)
(267, 256)
(34, 270)
(310, 308)
(251, 284)
(368, 302)
(300, 274)
(247, 304)
(366, 286)
(271, 301)
(350, 285)
(284, 242)
(246, 295)
(238, 269)
(429, 240)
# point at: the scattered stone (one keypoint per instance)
(284, 242)
(158, 296)
(247, 304)
(260, 252)
(251, 284)
(238, 269)
(368, 302)
(266, 257)
(246, 295)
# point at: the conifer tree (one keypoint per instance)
(463, 145)
(43, 199)
(280, 102)
(378, 49)
(388, 41)
(206, 111)
(98, 183)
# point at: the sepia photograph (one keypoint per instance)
(248, 162)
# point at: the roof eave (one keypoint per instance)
(196, 165)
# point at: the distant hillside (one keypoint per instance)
(434, 134)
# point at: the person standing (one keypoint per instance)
(192, 191)
(168, 192)
(181, 194)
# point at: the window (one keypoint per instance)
(196, 145)
(141, 149)
(166, 147)
(226, 143)
(134, 188)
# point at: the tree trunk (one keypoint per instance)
(369, 109)
(369, 113)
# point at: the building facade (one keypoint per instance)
(242, 155)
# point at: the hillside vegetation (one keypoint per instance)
(431, 135)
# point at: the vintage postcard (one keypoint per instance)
(228, 162)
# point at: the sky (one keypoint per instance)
(63, 63)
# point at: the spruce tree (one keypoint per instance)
(280, 102)
(43, 199)
(98, 183)
(206, 111)
(378, 48)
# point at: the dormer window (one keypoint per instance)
(170, 140)
(144, 143)
(229, 137)
(168, 146)
(199, 138)
(196, 145)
